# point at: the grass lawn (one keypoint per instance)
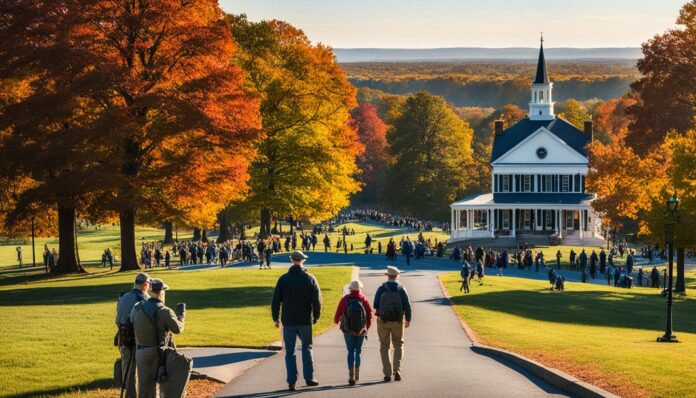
(57, 332)
(91, 243)
(603, 335)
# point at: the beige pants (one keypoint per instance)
(130, 379)
(390, 333)
(147, 360)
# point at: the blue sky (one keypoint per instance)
(469, 23)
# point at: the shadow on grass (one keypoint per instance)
(228, 297)
(621, 309)
(99, 383)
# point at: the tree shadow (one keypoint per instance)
(228, 297)
(621, 309)
(85, 387)
(227, 358)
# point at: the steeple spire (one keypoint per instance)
(541, 74)
(541, 104)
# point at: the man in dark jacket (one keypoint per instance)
(299, 295)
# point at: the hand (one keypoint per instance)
(407, 324)
(277, 324)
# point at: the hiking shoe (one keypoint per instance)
(351, 382)
(312, 383)
(291, 387)
(387, 379)
(397, 376)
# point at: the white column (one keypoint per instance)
(560, 223)
(493, 223)
(470, 219)
(581, 215)
(514, 224)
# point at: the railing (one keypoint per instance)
(471, 233)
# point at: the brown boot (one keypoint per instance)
(351, 373)
(357, 374)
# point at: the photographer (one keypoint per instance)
(155, 353)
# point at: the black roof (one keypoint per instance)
(541, 75)
(548, 198)
(568, 133)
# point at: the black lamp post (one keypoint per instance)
(671, 219)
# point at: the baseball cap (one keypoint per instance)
(157, 285)
(142, 278)
(298, 255)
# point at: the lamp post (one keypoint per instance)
(671, 219)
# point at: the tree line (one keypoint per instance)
(165, 112)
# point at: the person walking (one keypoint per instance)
(393, 308)
(558, 259)
(153, 324)
(355, 316)
(465, 273)
(327, 243)
(407, 250)
(125, 337)
(298, 295)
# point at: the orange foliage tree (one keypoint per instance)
(374, 161)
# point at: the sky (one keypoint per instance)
(468, 23)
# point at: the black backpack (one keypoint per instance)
(391, 308)
(355, 317)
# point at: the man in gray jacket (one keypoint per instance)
(125, 338)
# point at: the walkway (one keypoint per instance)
(438, 360)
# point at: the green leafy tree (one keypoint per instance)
(430, 147)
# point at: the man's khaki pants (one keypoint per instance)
(389, 333)
(147, 360)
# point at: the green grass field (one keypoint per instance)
(603, 335)
(91, 244)
(57, 332)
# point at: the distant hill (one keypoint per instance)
(347, 55)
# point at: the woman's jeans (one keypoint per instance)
(354, 346)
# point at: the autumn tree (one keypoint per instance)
(305, 166)
(430, 147)
(576, 113)
(181, 123)
(611, 117)
(373, 163)
(667, 91)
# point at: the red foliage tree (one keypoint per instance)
(373, 163)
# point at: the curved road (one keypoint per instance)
(438, 361)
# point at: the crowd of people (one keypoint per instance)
(476, 261)
(388, 219)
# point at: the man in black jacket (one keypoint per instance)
(297, 298)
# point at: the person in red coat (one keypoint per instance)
(355, 316)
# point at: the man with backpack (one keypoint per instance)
(125, 337)
(393, 308)
(298, 292)
(355, 316)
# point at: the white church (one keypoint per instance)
(538, 180)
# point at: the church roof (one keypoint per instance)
(488, 200)
(542, 75)
(568, 133)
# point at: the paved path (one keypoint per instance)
(225, 364)
(438, 360)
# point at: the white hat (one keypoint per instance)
(392, 270)
(355, 285)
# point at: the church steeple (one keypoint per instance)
(541, 104)
(541, 75)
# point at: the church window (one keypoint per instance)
(506, 183)
(549, 219)
(565, 183)
(547, 184)
(541, 95)
(526, 183)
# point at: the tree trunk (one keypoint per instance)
(168, 233)
(224, 234)
(265, 223)
(196, 234)
(129, 258)
(292, 224)
(68, 260)
(679, 286)
(204, 234)
(242, 235)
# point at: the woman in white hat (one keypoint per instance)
(355, 315)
